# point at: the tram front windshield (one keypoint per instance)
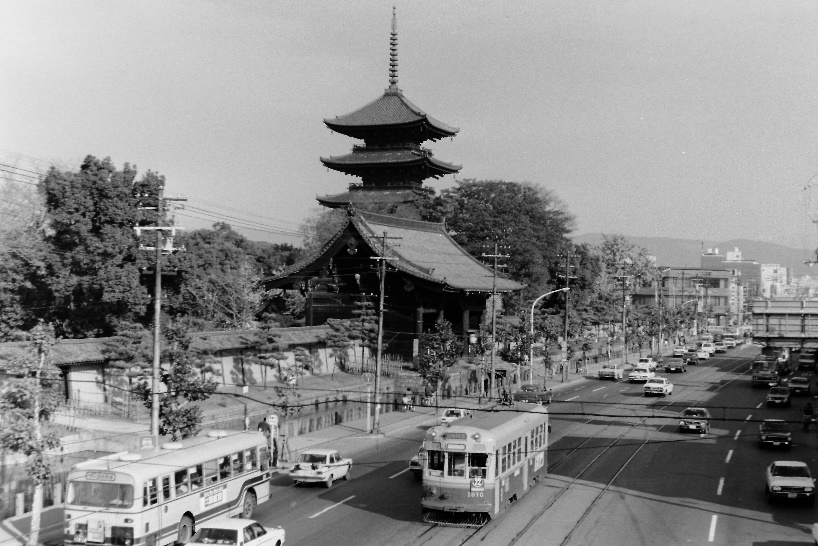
(458, 465)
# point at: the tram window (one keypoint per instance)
(504, 461)
(238, 462)
(519, 449)
(478, 465)
(165, 488)
(149, 493)
(435, 461)
(196, 479)
(180, 479)
(457, 465)
(250, 460)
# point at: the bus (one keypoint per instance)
(476, 467)
(158, 496)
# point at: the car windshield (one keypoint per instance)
(779, 390)
(214, 535)
(607, 366)
(786, 471)
(694, 413)
(641, 370)
(654, 381)
(775, 426)
(452, 413)
(312, 458)
(800, 381)
(528, 388)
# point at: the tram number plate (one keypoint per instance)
(475, 493)
(791, 495)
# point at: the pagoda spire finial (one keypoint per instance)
(393, 52)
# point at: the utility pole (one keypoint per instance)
(160, 249)
(568, 276)
(379, 354)
(496, 255)
(624, 280)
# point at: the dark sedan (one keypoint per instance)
(675, 364)
(533, 394)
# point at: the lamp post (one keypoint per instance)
(531, 340)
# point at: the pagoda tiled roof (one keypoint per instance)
(375, 195)
(390, 109)
(425, 250)
(397, 157)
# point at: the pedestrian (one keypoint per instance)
(285, 449)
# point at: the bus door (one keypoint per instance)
(150, 521)
(153, 537)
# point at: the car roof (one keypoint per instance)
(773, 421)
(225, 522)
(790, 463)
(800, 379)
(696, 408)
(319, 451)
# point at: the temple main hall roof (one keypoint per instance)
(423, 250)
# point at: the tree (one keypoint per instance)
(92, 269)
(529, 219)
(26, 402)
(183, 384)
(438, 350)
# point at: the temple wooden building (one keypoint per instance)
(428, 276)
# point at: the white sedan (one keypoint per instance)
(703, 355)
(640, 374)
(234, 532)
(320, 466)
(659, 386)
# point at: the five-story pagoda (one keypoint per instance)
(391, 163)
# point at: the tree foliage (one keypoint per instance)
(438, 350)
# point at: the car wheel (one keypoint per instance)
(248, 505)
(328, 483)
(185, 531)
(349, 471)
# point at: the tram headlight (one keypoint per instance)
(476, 436)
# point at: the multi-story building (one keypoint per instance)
(710, 290)
(774, 278)
(747, 272)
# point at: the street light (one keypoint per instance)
(531, 340)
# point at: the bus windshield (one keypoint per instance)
(100, 495)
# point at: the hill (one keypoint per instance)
(685, 252)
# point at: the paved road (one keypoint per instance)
(620, 473)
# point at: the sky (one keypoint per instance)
(654, 118)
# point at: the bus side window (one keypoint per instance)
(211, 472)
(165, 488)
(250, 462)
(265, 458)
(224, 467)
(195, 477)
(180, 480)
(149, 493)
(238, 462)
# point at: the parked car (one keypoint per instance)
(416, 463)
(233, 531)
(318, 465)
(799, 385)
(720, 346)
(533, 394)
(658, 386)
(451, 414)
(675, 364)
(612, 371)
(779, 396)
(647, 362)
(679, 351)
(790, 480)
(640, 373)
(695, 420)
(774, 432)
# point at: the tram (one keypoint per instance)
(477, 466)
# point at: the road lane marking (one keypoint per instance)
(729, 455)
(737, 433)
(749, 417)
(574, 398)
(721, 486)
(599, 389)
(759, 405)
(399, 473)
(328, 508)
(712, 534)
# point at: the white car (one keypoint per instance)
(658, 386)
(679, 351)
(611, 371)
(709, 346)
(647, 362)
(640, 374)
(702, 354)
(235, 531)
(790, 480)
(729, 342)
(320, 466)
(451, 414)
